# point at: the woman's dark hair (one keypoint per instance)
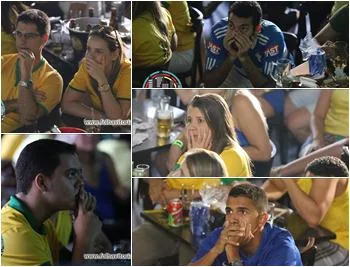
(111, 36)
(219, 119)
(247, 9)
(41, 156)
(37, 17)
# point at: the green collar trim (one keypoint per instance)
(18, 71)
(20, 206)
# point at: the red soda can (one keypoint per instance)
(175, 209)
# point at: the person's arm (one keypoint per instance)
(175, 152)
(28, 109)
(215, 77)
(250, 121)
(119, 189)
(73, 103)
(220, 57)
(87, 227)
(256, 77)
(314, 206)
(297, 167)
(113, 109)
(318, 117)
(274, 189)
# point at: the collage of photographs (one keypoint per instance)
(174, 133)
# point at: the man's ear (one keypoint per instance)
(115, 54)
(264, 216)
(258, 28)
(41, 182)
(45, 38)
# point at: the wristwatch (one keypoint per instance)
(3, 109)
(27, 84)
(235, 262)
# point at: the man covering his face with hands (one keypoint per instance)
(246, 238)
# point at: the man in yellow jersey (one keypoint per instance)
(49, 179)
(323, 202)
(30, 87)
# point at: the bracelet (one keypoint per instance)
(178, 143)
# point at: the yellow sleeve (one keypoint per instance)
(80, 79)
(237, 165)
(122, 88)
(23, 248)
(52, 85)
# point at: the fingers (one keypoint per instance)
(208, 139)
(40, 95)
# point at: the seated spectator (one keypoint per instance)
(246, 238)
(201, 163)
(209, 125)
(9, 13)
(330, 120)
(299, 106)
(48, 177)
(337, 29)
(242, 48)
(101, 89)
(320, 202)
(154, 38)
(31, 88)
(181, 60)
(297, 167)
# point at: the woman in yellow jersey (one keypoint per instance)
(9, 12)
(209, 125)
(330, 120)
(101, 88)
(323, 202)
(200, 162)
(153, 39)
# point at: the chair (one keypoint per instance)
(292, 43)
(262, 168)
(308, 252)
(197, 28)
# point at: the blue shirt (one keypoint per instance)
(277, 247)
(269, 47)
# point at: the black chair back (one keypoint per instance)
(292, 43)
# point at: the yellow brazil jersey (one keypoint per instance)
(8, 44)
(180, 15)
(22, 242)
(337, 217)
(149, 46)
(64, 226)
(121, 88)
(236, 160)
(337, 119)
(44, 77)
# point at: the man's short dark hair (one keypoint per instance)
(253, 192)
(345, 155)
(37, 17)
(41, 156)
(328, 167)
(247, 9)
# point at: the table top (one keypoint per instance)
(144, 111)
(298, 228)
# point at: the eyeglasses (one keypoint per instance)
(26, 35)
(73, 173)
